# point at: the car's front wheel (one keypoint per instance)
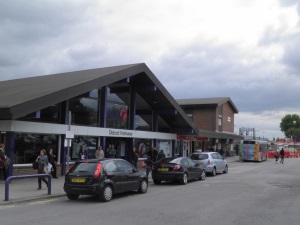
(143, 187)
(73, 196)
(184, 179)
(203, 175)
(106, 194)
(226, 169)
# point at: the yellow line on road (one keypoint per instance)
(7, 207)
(42, 202)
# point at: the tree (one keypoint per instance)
(290, 125)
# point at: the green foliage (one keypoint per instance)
(290, 125)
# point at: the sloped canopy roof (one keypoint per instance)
(21, 97)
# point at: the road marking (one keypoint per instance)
(42, 202)
(7, 207)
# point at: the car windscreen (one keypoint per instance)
(199, 156)
(88, 168)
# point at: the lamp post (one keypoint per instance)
(294, 122)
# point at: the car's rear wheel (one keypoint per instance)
(203, 175)
(143, 187)
(226, 169)
(214, 172)
(106, 194)
(155, 181)
(184, 179)
(73, 196)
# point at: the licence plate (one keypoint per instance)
(78, 180)
(163, 169)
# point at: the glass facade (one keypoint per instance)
(90, 144)
(85, 111)
(142, 146)
(143, 122)
(166, 146)
(50, 114)
(117, 110)
(28, 146)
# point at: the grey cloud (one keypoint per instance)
(292, 53)
(253, 88)
(291, 3)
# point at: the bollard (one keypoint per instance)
(8, 179)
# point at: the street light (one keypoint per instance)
(294, 122)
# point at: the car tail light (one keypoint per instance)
(97, 171)
(176, 167)
(208, 162)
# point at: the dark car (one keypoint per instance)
(180, 169)
(103, 178)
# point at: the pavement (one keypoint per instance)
(24, 190)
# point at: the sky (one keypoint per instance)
(248, 50)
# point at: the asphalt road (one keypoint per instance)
(251, 193)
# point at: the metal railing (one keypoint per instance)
(8, 179)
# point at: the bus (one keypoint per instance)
(254, 150)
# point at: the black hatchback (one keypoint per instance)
(180, 169)
(103, 178)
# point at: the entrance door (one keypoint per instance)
(187, 148)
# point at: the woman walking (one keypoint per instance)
(42, 159)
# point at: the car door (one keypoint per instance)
(222, 162)
(114, 175)
(196, 170)
(130, 175)
(188, 168)
(216, 160)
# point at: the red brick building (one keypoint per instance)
(214, 117)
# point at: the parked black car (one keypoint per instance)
(179, 169)
(103, 178)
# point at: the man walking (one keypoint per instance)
(281, 155)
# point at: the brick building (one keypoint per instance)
(214, 117)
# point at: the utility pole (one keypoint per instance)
(69, 140)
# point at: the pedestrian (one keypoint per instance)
(113, 152)
(52, 162)
(42, 159)
(3, 171)
(221, 152)
(82, 153)
(99, 154)
(154, 154)
(161, 155)
(276, 157)
(134, 158)
(281, 155)
(108, 150)
(149, 162)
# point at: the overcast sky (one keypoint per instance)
(248, 50)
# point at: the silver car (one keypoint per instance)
(212, 162)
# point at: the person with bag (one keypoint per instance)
(42, 159)
(82, 153)
(3, 167)
(52, 162)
